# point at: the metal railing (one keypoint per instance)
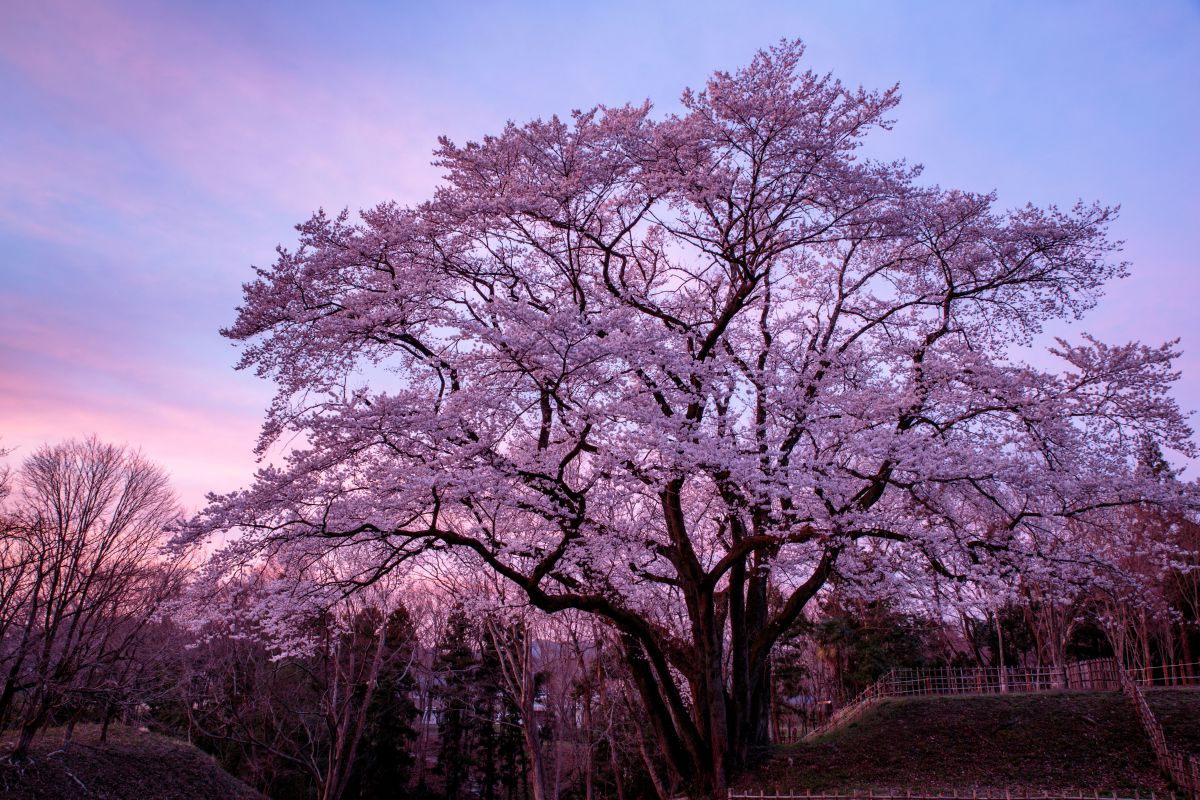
(1100, 674)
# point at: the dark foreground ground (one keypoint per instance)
(1042, 742)
(1088, 741)
(131, 765)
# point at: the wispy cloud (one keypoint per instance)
(148, 156)
(150, 152)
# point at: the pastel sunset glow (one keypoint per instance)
(150, 153)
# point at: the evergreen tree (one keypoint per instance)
(864, 640)
(458, 667)
(385, 760)
(490, 707)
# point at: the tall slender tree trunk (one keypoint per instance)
(69, 731)
(109, 712)
(533, 750)
(514, 650)
(659, 789)
(1186, 648)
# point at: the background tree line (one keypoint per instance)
(307, 682)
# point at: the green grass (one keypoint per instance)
(1089, 741)
(131, 765)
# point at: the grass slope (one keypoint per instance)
(131, 765)
(1178, 711)
(1035, 742)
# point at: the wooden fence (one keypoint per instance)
(1101, 674)
(1097, 674)
(1183, 768)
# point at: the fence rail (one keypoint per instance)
(1187, 674)
(1021, 794)
(1183, 768)
(1100, 674)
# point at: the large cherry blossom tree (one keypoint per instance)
(678, 371)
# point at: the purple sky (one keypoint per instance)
(150, 153)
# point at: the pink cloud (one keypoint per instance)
(164, 149)
(165, 156)
(55, 383)
(203, 449)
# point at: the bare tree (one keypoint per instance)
(84, 573)
(514, 648)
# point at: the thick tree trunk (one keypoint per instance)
(21, 751)
(725, 728)
(750, 728)
(34, 720)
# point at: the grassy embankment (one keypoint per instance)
(1088, 741)
(131, 765)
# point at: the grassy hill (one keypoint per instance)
(1178, 710)
(132, 764)
(1037, 742)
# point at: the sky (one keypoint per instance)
(151, 153)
